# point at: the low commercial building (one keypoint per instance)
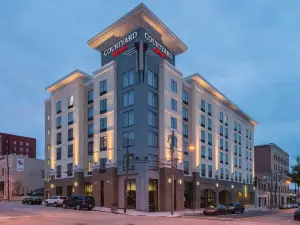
(22, 174)
(120, 118)
(271, 167)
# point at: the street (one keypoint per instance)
(15, 213)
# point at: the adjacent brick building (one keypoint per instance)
(18, 145)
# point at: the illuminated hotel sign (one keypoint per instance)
(158, 48)
(120, 46)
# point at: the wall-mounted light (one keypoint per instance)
(75, 183)
(254, 188)
(180, 181)
(75, 165)
(52, 185)
(169, 180)
(198, 166)
(197, 183)
(109, 160)
(217, 184)
(95, 182)
(180, 163)
(108, 181)
(232, 186)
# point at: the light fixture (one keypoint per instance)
(75, 183)
(191, 148)
(169, 180)
(197, 183)
(180, 181)
(253, 188)
(95, 182)
(52, 185)
(108, 181)
(217, 184)
(232, 186)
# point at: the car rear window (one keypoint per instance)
(89, 198)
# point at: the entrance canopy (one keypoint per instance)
(140, 16)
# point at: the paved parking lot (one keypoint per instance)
(16, 213)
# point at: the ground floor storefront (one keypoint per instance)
(151, 190)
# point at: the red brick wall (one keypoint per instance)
(16, 148)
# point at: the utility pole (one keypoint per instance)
(7, 169)
(173, 140)
(126, 180)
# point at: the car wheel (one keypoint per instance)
(29, 203)
(64, 206)
(204, 213)
(78, 207)
(90, 209)
(46, 203)
(242, 211)
(23, 202)
(54, 204)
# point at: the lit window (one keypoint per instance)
(70, 102)
(103, 87)
(90, 96)
(203, 152)
(185, 97)
(103, 143)
(202, 106)
(203, 172)
(58, 107)
(103, 106)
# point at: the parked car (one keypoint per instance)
(55, 201)
(215, 209)
(33, 200)
(283, 207)
(235, 208)
(297, 214)
(79, 202)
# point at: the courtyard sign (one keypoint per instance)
(158, 48)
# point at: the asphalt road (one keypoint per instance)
(16, 213)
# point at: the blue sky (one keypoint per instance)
(249, 50)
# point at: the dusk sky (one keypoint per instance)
(249, 50)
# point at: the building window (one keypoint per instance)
(202, 106)
(227, 174)
(103, 106)
(185, 97)
(70, 169)
(103, 124)
(173, 123)
(58, 107)
(152, 99)
(90, 96)
(226, 120)
(250, 135)
(70, 151)
(235, 150)
(226, 146)
(240, 151)
(240, 177)
(221, 144)
(246, 154)
(209, 154)
(185, 130)
(70, 134)
(153, 162)
(90, 147)
(202, 121)
(203, 152)
(235, 126)
(235, 162)
(185, 148)
(247, 177)
(70, 118)
(209, 171)
(130, 162)
(226, 159)
(240, 129)
(246, 133)
(103, 87)
(58, 154)
(226, 132)
(185, 114)
(173, 104)
(90, 130)
(128, 119)
(250, 156)
(240, 140)
(202, 136)
(128, 138)
(103, 162)
(221, 130)
(221, 173)
(90, 113)
(235, 138)
(221, 117)
(209, 109)
(236, 176)
(152, 139)
(58, 171)
(128, 78)
(186, 167)
(58, 138)
(203, 171)
(173, 85)
(58, 122)
(90, 167)
(209, 124)
(70, 102)
(152, 119)
(152, 79)
(209, 139)
(221, 157)
(128, 98)
(103, 143)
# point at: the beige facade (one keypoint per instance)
(25, 174)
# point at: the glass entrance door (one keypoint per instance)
(153, 195)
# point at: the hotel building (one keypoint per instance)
(131, 104)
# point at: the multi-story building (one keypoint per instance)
(19, 145)
(23, 173)
(96, 127)
(271, 167)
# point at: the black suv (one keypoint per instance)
(34, 200)
(79, 202)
